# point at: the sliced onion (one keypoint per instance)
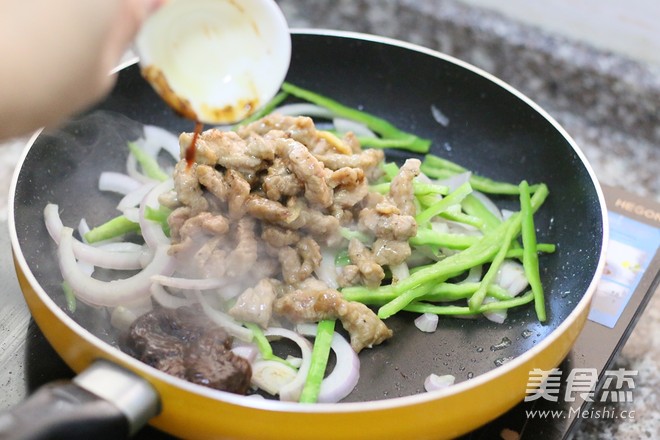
(95, 255)
(439, 117)
(304, 109)
(511, 276)
(498, 316)
(225, 321)
(157, 138)
(152, 232)
(247, 352)
(166, 299)
(427, 322)
(473, 276)
(434, 382)
(109, 293)
(272, 376)
(455, 181)
(291, 391)
(189, 283)
(117, 182)
(343, 125)
(134, 197)
(346, 373)
(122, 317)
(132, 170)
(327, 271)
(83, 229)
(399, 272)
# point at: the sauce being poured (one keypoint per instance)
(192, 148)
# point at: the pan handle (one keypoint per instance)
(103, 402)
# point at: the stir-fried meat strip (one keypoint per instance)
(371, 272)
(366, 160)
(278, 237)
(385, 221)
(364, 327)
(401, 189)
(186, 344)
(299, 128)
(189, 192)
(224, 148)
(390, 252)
(308, 170)
(245, 254)
(298, 264)
(255, 304)
(280, 181)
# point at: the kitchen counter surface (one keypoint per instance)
(607, 103)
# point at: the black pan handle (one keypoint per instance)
(103, 402)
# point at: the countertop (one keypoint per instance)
(606, 102)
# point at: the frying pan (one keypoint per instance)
(493, 130)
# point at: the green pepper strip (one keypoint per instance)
(479, 253)
(378, 125)
(320, 353)
(263, 344)
(265, 110)
(477, 299)
(69, 296)
(410, 143)
(473, 206)
(426, 237)
(439, 168)
(453, 198)
(530, 251)
(115, 227)
(441, 292)
(159, 215)
(420, 307)
(149, 164)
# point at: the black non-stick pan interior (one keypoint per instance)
(491, 131)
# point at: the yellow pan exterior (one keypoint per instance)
(194, 412)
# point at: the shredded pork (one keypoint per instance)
(259, 206)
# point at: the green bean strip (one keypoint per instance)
(547, 248)
(450, 241)
(477, 299)
(420, 307)
(480, 252)
(378, 125)
(442, 292)
(453, 198)
(320, 353)
(115, 227)
(439, 168)
(405, 143)
(263, 344)
(473, 206)
(159, 215)
(265, 110)
(149, 165)
(530, 251)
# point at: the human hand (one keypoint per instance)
(57, 56)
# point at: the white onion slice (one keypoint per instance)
(291, 391)
(166, 299)
(272, 376)
(327, 271)
(345, 125)
(497, 316)
(157, 138)
(134, 197)
(98, 256)
(117, 182)
(189, 283)
(473, 276)
(427, 322)
(399, 272)
(434, 382)
(455, 181)
(152, 232)
(247, 352)
(225, 321)
(304, 109)
(346, 373)
(109, 293)
(511, 276)
(83, 229)
(132, 170)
